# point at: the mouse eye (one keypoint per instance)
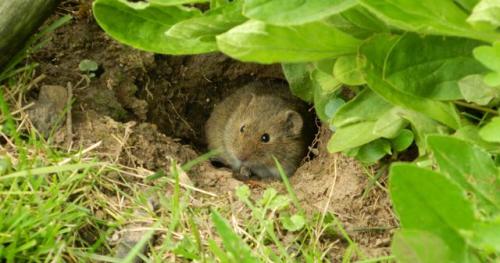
(242, 128)
(265, 137)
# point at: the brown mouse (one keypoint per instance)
(257, 122)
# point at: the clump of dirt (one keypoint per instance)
(147, 109)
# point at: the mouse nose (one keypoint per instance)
(243, 157)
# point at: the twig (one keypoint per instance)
(69, 121)
(475, 107)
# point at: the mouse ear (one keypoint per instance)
(293, 122)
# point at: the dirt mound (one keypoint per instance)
(146, 109)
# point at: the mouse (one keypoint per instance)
(257, 122)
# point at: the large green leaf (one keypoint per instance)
(469, 166)
(428, 201)
(294, 12)
(442, 17)
(259, 42)
(411, 72)
(142, 25)
(412, 246)
(198, 33)
(366, 106)
(428, 67)
(351, 136)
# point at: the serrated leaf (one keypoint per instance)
(243, 192)
(428, 201)
(410, 246)
(294, 12)
(268, 196)
(293, 223)
(260, 42)
(470, 167)
(491, 131)
(429, 17)
(348, 71)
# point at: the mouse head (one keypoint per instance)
(261, 127)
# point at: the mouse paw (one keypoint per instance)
(243, 174)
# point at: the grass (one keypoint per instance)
(68, 206)
(60, 205)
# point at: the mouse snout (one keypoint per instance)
(243, 157)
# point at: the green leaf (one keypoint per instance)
(177, 2)
(428, 201)
(475, 90)
(326, 103)
(429, 17)
(486, 11)
(470, 167)
(366, 106)
(402, 141)
(325, 81)
(411, 72)
(351, 136)
(409, 246)
(426, 67)
(373, 151)
(471, 134)
(198, 33)
(440, 111)
(238, 250)
(142, 25)
(299, 78)
(490, 57)
(467, 4)
(243, 192)
(294, 12)
(88, 65)
(365, 20)
(421, 126)
(485, 236)
(390, 123)
(491, 131)
(259, 42)
(293, 223)
(348, 71)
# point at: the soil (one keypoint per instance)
(148, 109)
